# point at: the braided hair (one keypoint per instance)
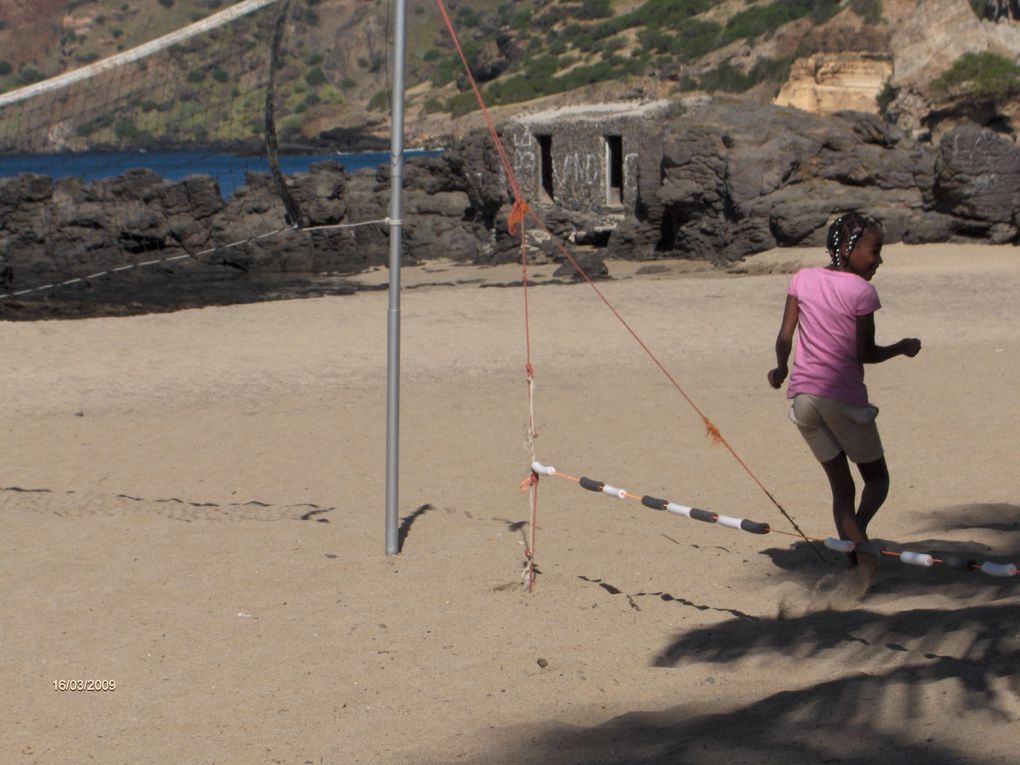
(847, 228)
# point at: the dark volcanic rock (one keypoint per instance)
(977, 179)
(591, 264)
(722, 179)
(739, 177)
(353, 139)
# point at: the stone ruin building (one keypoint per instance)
(590, 159)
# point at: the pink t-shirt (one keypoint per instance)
(825, 360)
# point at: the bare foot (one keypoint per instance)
(864, 572)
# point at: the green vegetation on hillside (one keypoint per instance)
(573, 45)
(979, 76)
(212, 87)
(728, 78)
(764, 20)
(869, 10)
(886, 96)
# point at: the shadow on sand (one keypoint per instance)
(991, 532)
(953, 661)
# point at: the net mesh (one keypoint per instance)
(152, 165)
(206, 83)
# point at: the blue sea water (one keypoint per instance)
(228, 169)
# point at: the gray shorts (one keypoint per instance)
(831, 427)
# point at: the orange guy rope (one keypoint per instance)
(517, 216)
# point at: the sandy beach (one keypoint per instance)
(192, 508)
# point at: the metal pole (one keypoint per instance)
(393, 325)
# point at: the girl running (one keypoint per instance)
(832, 310)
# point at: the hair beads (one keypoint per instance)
(847, 228)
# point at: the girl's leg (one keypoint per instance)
(841, 482)
(876, 489)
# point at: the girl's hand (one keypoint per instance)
(911, 346)
(776, 377)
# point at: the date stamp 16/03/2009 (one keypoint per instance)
(84, 685)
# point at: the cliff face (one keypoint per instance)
(832, 82)
(915, 42)
(928, 35)
(927, 38)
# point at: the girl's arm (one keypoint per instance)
(869, 353)
(784, 341)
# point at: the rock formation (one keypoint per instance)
(927, 37)
(727, 178)
(735, 178)
(833, 82)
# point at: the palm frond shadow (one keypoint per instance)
(857, 719)
(976, 646)
(803, 726)
(975, 649)
(993, 534)
(990, 516)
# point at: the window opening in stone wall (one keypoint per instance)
(545, 168)
(614, 169)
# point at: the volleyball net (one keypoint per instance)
(162, 165)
